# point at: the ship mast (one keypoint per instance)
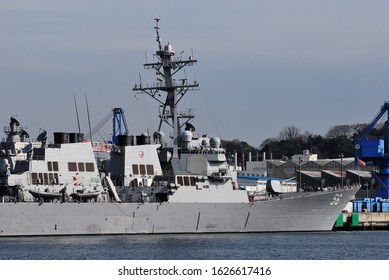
(166, 67)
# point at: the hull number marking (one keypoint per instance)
(336, 199)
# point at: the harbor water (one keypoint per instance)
(343, 245)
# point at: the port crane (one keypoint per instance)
(371, 152)
(119, 124)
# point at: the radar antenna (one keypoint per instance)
(42, 137)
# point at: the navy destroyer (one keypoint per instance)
(146, 186)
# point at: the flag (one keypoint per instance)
(361, 163)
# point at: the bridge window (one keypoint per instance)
(142, 169)
(52, 165)
(90, 167)
(135, 169)
(40, 178)
(186, 181)
(150, 169)
(44, 178)
(192, 181)
(34, 178)
(72, 166)
(81, 167)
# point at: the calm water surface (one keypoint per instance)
(266, 246)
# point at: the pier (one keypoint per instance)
(362, 221)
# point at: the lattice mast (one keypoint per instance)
(166, 67)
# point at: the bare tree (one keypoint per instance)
(337, 131)
(289, 132)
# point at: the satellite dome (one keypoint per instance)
(215, 142)
(205, 142)
(169, 49)
(186, 136)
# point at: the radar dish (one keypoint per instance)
(14, 121)
(27, 148)
(25, 133)
(190, 127)
(42, 136)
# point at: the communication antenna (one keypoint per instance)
(87, 110)
(157, 30)
(140, 80)
(78, 119)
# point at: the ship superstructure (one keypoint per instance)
(193, 169)
(37, 171)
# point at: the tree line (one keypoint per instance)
(338, 140)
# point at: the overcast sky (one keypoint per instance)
(262, 65)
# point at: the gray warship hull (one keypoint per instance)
(300, 212)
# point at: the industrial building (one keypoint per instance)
(313, 173)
